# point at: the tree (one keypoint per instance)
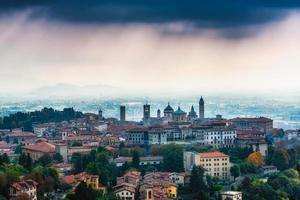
(82, 191)
(235, 171)
(58, 157)
(23, 160)
(45, 160)
(198, 186)
(28, 162)
(280, 159)
(256, 159)
(173, 157)
(77, 161)
(135, 159)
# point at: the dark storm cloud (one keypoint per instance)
(203, 13)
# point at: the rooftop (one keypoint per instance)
(212, 154)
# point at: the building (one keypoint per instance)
(219, 137)
(179, 115)
(127, 185)
(253, 139)
(233, 195)
(146, 112)
(100, 114)
(138, 136)
(158, 113)
(258, 123)
(201, 109)
(39, 149)
(215, 163)
(146, 136)
(269, 169)
(122, 113)
(17, 137)
(28, 187)
(147, 160)
(168, 112)
(90, 180)
(192, 114)
(157, 185)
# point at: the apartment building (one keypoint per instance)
(215, 163)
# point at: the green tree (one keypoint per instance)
(45, 160)
(173, 157)
(135, 159)
(280, 159)
(198, 187)
(58, 157)
(23, 160)
(28, 162)
(235, 171)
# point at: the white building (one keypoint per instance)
(219, 137)
(234, 195)
(26, 186)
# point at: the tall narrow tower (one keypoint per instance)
(100, 114)
(146, 112)
(158, 113)
(201, 108)
(122, 113)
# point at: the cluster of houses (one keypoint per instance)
(151, 186)
(93, 130)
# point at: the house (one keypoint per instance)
(127, 185)
(234, 195)
(39, 149)
(17, 137)
(269, 169)
(25, 186)
(257, 123)
(148, 160)
(90, 180)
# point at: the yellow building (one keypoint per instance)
(171, 190)
(92, 181)
(215, 163)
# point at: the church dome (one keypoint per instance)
(168, 109)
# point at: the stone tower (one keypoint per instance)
(201, 108)
(146, 112)
(122, 113)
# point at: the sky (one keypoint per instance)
(156, 46)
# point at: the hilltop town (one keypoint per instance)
(173, 154)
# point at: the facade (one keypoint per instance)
(122, 113)
(219, 137)
(138, 136)
(179, 116)
(148, 160)
(146, 112)
(269, 169)
(201, 109)
(215, 163)
(39, 149)
(260, 123)
(25, 186)
(234, 195)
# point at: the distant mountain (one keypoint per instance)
(68, 90)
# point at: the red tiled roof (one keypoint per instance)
(21, 134)
(68, 179)
(252, 119)
(44, 147)
(212, 154)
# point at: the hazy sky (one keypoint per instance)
(256, 52)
